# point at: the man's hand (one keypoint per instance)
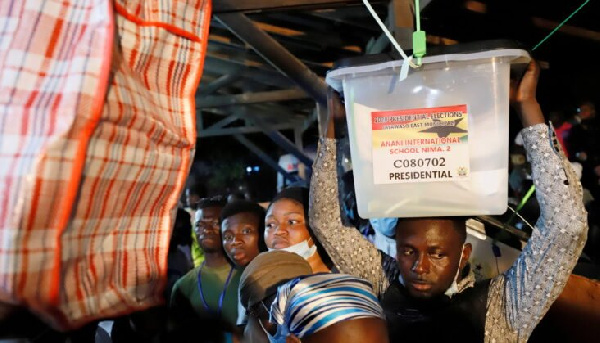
(523, 96)
(335, 106)
(336, 112)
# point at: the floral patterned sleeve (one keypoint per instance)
(349, 250)
(519, 298)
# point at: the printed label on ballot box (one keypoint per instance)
(421, 145)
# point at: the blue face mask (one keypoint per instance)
(385, 226)
(280, 336)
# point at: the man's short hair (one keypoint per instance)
(242, 206)
(245, 206)
(458, 223)
(217, 201)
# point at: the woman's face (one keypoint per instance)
(285, 224)
(241, 237)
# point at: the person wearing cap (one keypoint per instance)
(427, 292)
(211, 288)
(259, 282)
(326, 308)
(287, 229)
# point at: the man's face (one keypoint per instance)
(206, 228)
(240, 237)
(429, 251)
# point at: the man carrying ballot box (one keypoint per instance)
(428, 292)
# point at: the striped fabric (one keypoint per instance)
(309, 304)
(96, 134)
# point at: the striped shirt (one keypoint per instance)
(308, 304)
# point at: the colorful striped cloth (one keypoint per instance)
(312, 303)
(97, 127)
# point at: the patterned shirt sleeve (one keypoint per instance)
(349, 250)
(520, 297)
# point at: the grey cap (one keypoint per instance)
(267, 271)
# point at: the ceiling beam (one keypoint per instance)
(268, 77)
(221, 82)
(251, 98)
(567, 29)
(351, 17)
(220, 6)
(271, 112)
(265, 157)
(241, 130)
(223, 122)
(241, 55)
(278, 138)
(278, 56)
(402, 22)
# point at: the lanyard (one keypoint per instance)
(221, 297)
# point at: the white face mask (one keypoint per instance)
(453, 289)
(301, 249)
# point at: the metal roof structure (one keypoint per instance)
(266, 59)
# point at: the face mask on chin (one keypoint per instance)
(302, 249)
(453, 289)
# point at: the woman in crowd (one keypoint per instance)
(326, 308)
(287, 229)
(287, 304)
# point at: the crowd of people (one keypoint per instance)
(97, 246)
(306, 268)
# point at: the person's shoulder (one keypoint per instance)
(474, 299)
(237, 274)
(480, 287)
(188, 280)
(389, 266)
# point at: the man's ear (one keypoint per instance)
(291, 338)
(466, 254)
